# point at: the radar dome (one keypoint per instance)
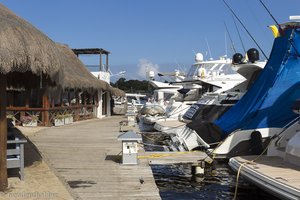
(199, 57)
(151, 74)
(253, 55)
(237, 58)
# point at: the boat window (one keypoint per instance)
(129, 99)
(168, 96)
(212, 69)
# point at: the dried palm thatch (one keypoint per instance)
(23, 48)
(117, 92)
(74, 74)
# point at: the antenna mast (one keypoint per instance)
(245, 28)
(237, 29)
(232, 44)
(208, 48)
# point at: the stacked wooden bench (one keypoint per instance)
(15, 154)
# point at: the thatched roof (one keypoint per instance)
(23, 48)
(74, 74)
(117, 92)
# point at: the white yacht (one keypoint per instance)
(163, 93)
(204, 76)
(220, 76)
(134, 101)
(277, 172)
(265, 109)
(210, 107)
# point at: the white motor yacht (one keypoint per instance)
(163, 93)
(204, 76)
(210, 107)
(134, 101)
(265, 108)
(277, 172)
(230, 87)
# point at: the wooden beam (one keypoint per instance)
(3, 133)
(100, 62)
(61, 98)
(106, 64)
(10, 98)
(27, 98)
(76, 118)
(46, 106)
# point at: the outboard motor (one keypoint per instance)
(237, 58)
(253, 55)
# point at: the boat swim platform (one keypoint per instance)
(86, 157)
(272, 174)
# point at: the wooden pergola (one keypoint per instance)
(95, 51)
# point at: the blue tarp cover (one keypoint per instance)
(268, 102)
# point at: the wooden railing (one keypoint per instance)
(46, 116)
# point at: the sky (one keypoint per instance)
(161, 35)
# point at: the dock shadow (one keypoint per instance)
(114, 158)
(81, 184)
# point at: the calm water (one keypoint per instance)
(177, 181)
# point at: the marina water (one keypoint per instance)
(177, 181)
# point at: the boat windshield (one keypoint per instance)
(210, 69)
(162, 96)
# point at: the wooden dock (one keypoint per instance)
(85, 156)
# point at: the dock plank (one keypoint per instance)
(79, 155)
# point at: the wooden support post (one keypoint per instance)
(77, 103)
(104, 103)
(69, 97)
(10, 98)
(61, 98)
(27, 98)
(107, 67)
(3, 133)
(100, 62)
(46, 105)
(52, 102)
(84, 104)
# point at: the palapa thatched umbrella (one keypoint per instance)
(26, 55)
(117, 92)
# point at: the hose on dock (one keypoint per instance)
(160, 155)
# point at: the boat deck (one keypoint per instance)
(169, 125)
(272, 174)
(86, 157)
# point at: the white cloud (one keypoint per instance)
(145, 65)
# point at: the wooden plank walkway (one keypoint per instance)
(85, 156)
